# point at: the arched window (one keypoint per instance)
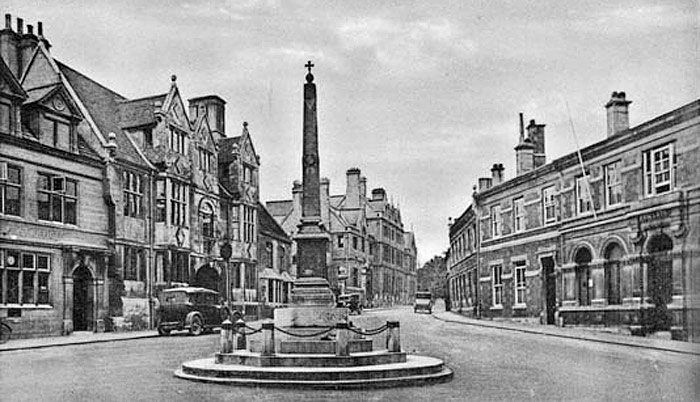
(613, 257)
(583, 276)
(206, 219)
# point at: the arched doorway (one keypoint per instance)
(207, 277)
(660, 280)
(583, 276)
(82, 299)
(613, 257)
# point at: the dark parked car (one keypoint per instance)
(193, 309)
(352, 302)
(424, 302)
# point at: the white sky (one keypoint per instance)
(422, 96)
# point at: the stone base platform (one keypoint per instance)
(323, 347)
(243, 357)
(416, 370)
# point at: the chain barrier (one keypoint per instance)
(325, 331)
(253, 331)
(369, 332)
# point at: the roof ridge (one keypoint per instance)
(142, 98)
(64, 65)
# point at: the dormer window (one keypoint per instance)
(60, 133)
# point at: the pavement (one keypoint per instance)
(580, 333)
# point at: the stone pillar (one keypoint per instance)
(268, 339)
(342, 338)
(99, 305)
(67, 306)
(239, 340)
(393, 337)
(226, 337)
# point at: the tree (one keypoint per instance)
(432, 276)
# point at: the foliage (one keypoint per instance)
(432, 276)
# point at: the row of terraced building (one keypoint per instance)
(606, 236)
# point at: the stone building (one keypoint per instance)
(354, 257)
(106, 200)
(462, 273)
(606, 237)
(274, 263)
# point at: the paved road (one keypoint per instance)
(489, 364)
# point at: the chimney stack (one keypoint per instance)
(352, 189)
(535, 132)
(497, 174)
(20, 26)
(484, 183)
(8, 21)
(524, 152)
(378, 194)
(30, 29)
(617, 113)
(40, 28)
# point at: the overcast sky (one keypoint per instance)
(422, 96)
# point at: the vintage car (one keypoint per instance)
(190, 308)
(352, 302)
(424, 302)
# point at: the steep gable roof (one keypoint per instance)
(103, 105)
(9, 79)
(139, 112)
(268, 224)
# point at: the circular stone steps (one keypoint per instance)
(416, 370)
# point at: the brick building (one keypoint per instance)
(607, 237)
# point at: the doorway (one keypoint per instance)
(660, 280)
(583, 276)
(207, 277)
(550, 279)
(82, 299)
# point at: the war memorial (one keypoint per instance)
(313, 343)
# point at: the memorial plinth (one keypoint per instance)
(312, 343)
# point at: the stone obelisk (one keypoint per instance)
(313, 302)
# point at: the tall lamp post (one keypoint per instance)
(225, 252)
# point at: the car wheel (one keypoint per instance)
(163, 331)
(196, 327)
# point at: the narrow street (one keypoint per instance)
(489, 365)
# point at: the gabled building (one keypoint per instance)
(605, 237)
(355, 257)
(106, 200)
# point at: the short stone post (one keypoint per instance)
(268, 339)
(226, 337)
(393, 336)
(239, 332)
(342, 338)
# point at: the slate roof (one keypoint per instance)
(280, 208)
(139, 112)
(269, 226)
(103, 105)
(226, 146)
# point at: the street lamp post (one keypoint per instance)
(225, 253)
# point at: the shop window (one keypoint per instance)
(24, 278)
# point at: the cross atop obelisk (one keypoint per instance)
(312, 238)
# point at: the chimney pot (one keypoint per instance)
(20, 26)
(8, 21)
(40, 28)
(30, 29)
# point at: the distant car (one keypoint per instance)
(424, 302)
(352, 302)
(189, 308)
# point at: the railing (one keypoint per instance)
(234, 336)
